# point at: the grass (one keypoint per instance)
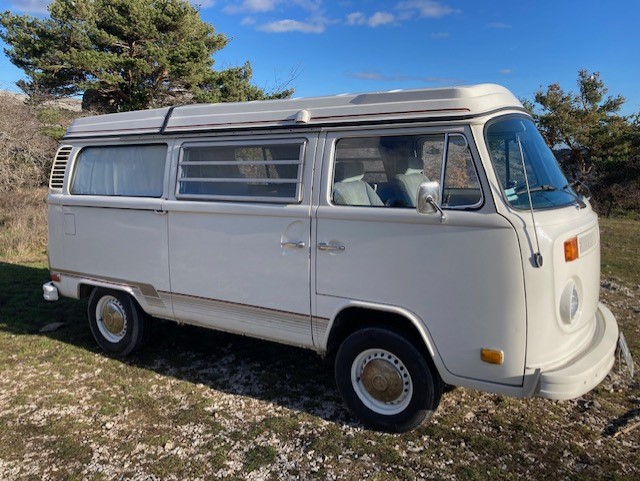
(621, 250)
(23, 225)
(196, 404)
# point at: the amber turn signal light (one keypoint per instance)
(492, 356)
(571, 249)
(55, 277)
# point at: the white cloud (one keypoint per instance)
(505, 71)
(317, 21)
(424, 9)
(309, 5)
(289, 25)
(380, 18)
(263, 6)
(31, 6)
(356, 18)
(375, 20)
(252, 6)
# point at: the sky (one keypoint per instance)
(324, 48)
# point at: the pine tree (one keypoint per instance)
(124, 55)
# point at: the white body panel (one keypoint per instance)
(454, 296)
(233, 254)
(123, 243)
(261, 268)
(552, 343)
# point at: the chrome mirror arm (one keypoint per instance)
(432, 202)
(427, 200)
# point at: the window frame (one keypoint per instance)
(487, 125)
(428, 131)
(302, 142)
(77, 155)
(445, 154)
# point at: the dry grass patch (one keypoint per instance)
(23, 225)
(26, 149)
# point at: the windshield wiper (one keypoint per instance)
(540, 188)
(551, 188)
(580, 186)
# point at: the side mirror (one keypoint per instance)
(428, 201)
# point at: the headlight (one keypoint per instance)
(569, 303)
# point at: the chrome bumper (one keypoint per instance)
(49, 292)
(589, 368)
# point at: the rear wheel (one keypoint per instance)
(385, 380)
(116, 321)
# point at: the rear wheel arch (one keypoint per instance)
(85, 290)
(118, 323)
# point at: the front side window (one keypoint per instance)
(386, 171)
(521, 158)
(242, 172)
(133, 171)
(461, 184)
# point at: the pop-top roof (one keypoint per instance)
(398, 105)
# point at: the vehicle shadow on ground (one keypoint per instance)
(290, 377)
(626, 422)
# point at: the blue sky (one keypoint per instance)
(359, 46)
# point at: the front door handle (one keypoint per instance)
(292, 245)
(323, 246)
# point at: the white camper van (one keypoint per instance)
(416, 238)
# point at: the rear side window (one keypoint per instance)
(133, 171)
(242, 172)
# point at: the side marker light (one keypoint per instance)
(492, 356)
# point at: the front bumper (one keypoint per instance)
(585, 371)
(49, 292)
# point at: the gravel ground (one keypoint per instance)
(203, 405)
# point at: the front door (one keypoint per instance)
(456, 276)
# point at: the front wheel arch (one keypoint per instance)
(354, 318)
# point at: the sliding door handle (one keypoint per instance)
(323, 246)
(292, 245)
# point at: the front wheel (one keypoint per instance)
(116, 321)
(385, 381)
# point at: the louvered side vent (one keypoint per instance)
(59, 167)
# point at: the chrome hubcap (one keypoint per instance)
(111, 319)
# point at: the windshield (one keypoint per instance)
(514, 142)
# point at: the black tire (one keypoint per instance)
(373, 394)
(117, 323)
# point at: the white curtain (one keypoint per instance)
(136, 171)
